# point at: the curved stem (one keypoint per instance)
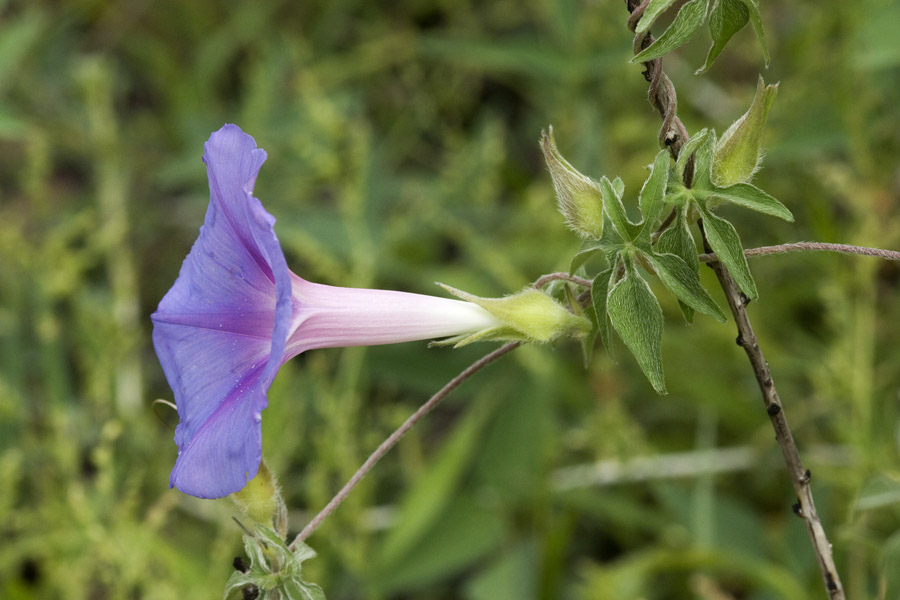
(545, 279)
(392, 440)
(815, 247)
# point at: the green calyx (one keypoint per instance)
(529, 316)
(261, 500)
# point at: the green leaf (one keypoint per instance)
(303, 591)
(727, 18)
(677, 240)
(683, 281)
(599, 293)
(724, 240)
(588, 250)
(749, 196)
(651, 13)
(890, 558)
(686, 23)
(677, 194)
(703, 157)
(589, 341)
(878, 491)
(699, 138)
(467, 532)
(637, 318)
(509, 576)
(615, 210)
(654, 190)
(756, 23)
(425, 502)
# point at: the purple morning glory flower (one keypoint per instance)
(236, 313)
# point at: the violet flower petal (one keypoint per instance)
(236, 313)
(220, 331)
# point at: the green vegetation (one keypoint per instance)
(403, 143)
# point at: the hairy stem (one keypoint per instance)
(673, 135)
(545, 279)
(392, 440)
(815, 247)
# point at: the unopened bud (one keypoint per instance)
(580, 198)
(739, 151)
(261, 500)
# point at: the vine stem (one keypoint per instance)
(673, 135)
(805, 508)
(392, 440)
(813, 246)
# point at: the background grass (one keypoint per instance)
(402, 142)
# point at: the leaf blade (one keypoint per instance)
(725, 242)
(686, 23)
(651, 13)
(756, 23)
(684, 283)
(750, 196)
(615, 210)
(636, 316)
(727, 18)
(651, 199)
(599, 294)
(677, 240)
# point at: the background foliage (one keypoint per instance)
(402, 145)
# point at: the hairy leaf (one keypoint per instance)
(724, 240)
(615, 210)
(748, 196)
(637, 318)
(654, 190)
(651, 13)
(686, 23)
(727, 18)
(756, 23)
(599, 293)
(589, 249)
(699, 138)
(703, 157)
(619, 186)
(677, 240)
(683, 281)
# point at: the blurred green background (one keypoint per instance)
(402, 142)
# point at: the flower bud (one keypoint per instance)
(739, 151)
(261, 500)
(580, 198)
(530, 315)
